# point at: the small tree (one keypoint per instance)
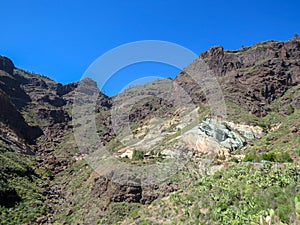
(296, 35)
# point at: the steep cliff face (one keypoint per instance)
(12, 99)
(6, 65)
(12, 118)
(252, 77)
(35, 119)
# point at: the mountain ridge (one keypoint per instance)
(261, 90)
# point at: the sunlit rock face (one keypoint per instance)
(221, 134)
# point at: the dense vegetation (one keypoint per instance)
(237, 194)
(21, 195)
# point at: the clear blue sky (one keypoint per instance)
(61, 38)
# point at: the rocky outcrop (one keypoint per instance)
(6, 65)
(221, 134)
(115, 192)
(157, 191)
(11, 86)
(132, 192)
(10, 116)
(54, 116)
(65, 89)
(253, 76)
(53, 100)
(226, 134)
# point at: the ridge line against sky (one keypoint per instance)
(60, 39)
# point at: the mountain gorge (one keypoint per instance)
(240, 169)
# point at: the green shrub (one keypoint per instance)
(277, 157)
(250, 158)
(283, 157)
(137, 155)
(270, 156)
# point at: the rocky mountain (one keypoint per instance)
(201, 168)
(252, 77)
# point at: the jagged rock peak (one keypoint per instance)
(213, 51)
